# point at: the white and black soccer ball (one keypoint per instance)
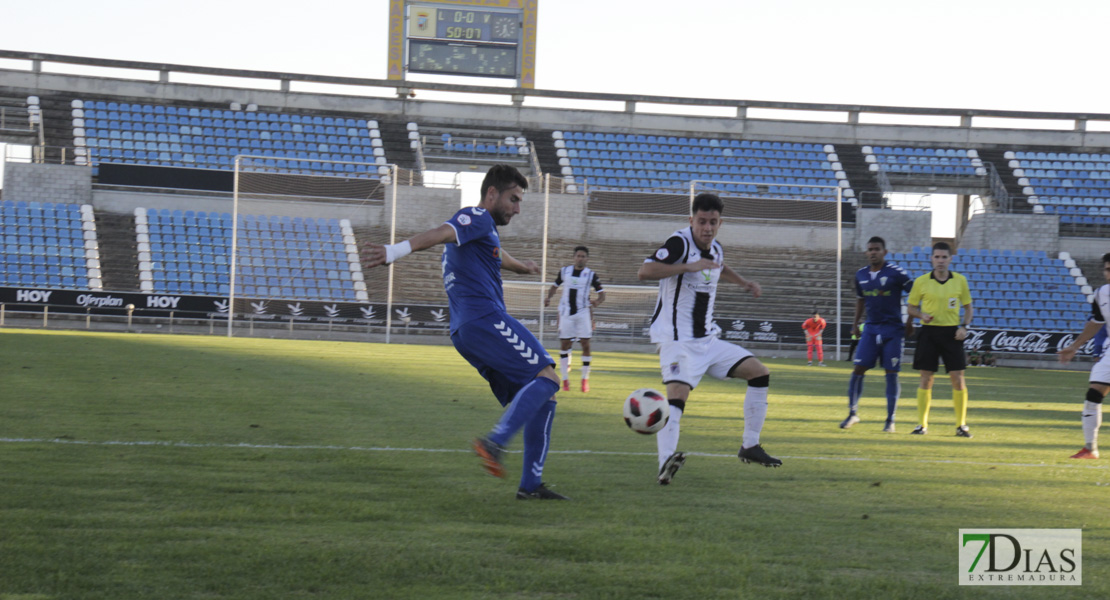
(646, 411)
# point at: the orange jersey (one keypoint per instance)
(814, 327)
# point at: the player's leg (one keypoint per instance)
(955, 363)
(1092, 420)
(666, 440)
(565, 346)
(866, 356)
(926, 360)
(1092, 407)
(893, 347)
(809, 350)
(820, 352)
(513, 361)
(537, 442)
(733, 361)
(959, 402)
(584, 334)
(680, 375)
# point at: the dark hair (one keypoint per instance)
(503, 177)
(707, 202)
(942, 246)
(582, 248)
(877, 240)
(1106, 258)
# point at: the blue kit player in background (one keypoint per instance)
(879, 288)
(518, 369)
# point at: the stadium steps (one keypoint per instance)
(119, 257)
(14, 127)
(545, 151)
(859, 176)
(395, 141)
(1002, 166)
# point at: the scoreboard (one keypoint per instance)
(476, 38)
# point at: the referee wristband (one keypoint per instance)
(395, 252)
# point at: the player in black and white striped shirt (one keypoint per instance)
(575, 306)
(688, 267)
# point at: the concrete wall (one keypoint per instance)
(30, 182)
(1084, 248)
(1014, 232)
(902, 229)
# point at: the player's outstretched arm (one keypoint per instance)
(1089, 330)
(654, 270)
(374, 255)
(524, 267)
(731, 276)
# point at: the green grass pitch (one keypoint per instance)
(147, 466)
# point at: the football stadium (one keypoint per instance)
(208, 392)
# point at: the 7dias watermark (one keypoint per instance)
(1021, 557)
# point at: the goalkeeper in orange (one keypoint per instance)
(814, 327)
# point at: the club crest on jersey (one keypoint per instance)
(882, 280)
(464, 220)
(662, 254)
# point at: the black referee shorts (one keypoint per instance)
(936, 343)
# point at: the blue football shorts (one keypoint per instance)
(503, 351)
(885, 342)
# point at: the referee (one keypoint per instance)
(936, 299)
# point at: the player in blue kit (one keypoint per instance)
(879, 288)
(518, 369)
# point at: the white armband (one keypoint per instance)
(395, 252)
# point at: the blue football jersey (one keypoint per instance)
(882, 294)
(472, 267)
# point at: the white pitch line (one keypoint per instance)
(1076, 465)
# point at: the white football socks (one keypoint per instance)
(755, 413)
(1092, 420)
(667, 438)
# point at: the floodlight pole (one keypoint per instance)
(231, 262)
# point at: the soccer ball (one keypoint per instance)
(646, 411)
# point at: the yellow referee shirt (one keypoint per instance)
(941, 299)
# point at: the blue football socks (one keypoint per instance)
(893, 391)
(522, 408)
(537, 439)
(855, 390)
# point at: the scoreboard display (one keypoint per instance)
(477, 38)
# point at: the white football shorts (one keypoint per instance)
(686, 362)
(576, 326)
(1100, 373)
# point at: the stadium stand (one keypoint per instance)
(648, 163)
(1075, 186)
(49, 245)
(937, 161)
(457, 144)
(210, 138)
(294, 258)
(1014, 289)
